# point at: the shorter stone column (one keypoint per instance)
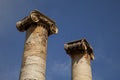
(81, 53)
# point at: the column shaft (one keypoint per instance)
(34, 58)
(81, 54)
(81, 69)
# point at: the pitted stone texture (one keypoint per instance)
(34, 68)
(34, 58)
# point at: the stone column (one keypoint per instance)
(81, 53)
(38, 27)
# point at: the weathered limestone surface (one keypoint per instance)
(81, 53)
(81, 69)
(38, 27)
(34, 59)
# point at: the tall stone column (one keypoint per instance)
(38, 27)
(81, 54)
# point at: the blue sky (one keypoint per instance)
(96, 20)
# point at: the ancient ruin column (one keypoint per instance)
(81, 53)
(38, 27)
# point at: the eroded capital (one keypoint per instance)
(79, 47)
(35, 18)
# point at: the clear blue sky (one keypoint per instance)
(96, 20)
